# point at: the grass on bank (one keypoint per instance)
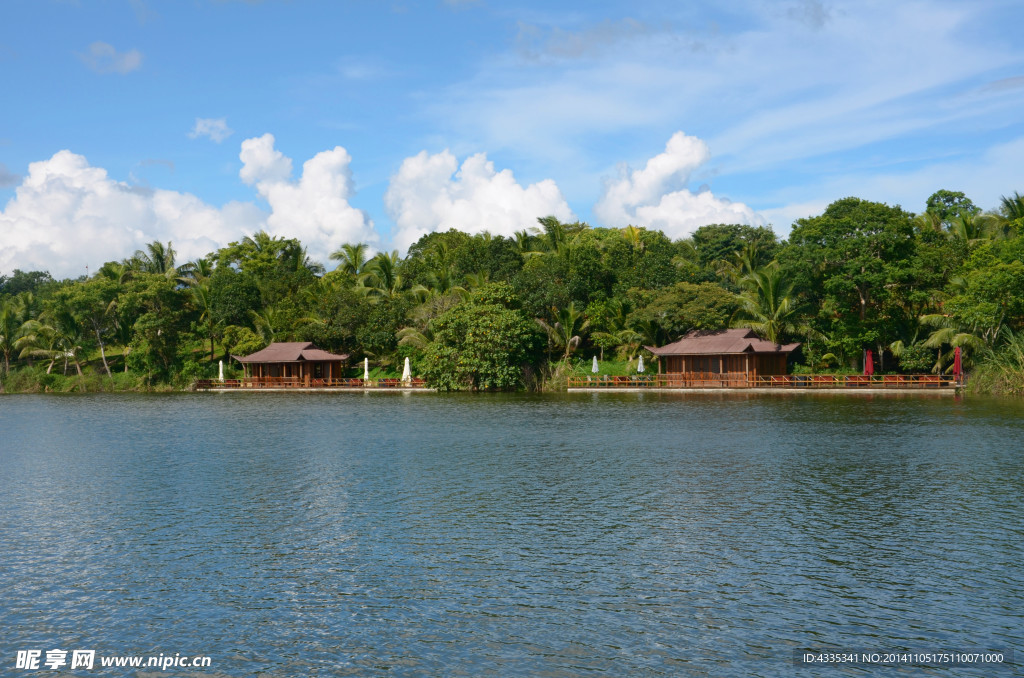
(556, 376)
(1000, 371)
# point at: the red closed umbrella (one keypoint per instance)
(958, 368)
(869, 365)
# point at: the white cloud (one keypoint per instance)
(644, 197)
(215, 128)
(314, 209)
(773, 87)
(67, 215)
(103, 58)
(428, 194)
(984, 178)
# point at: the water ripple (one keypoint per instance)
(380, 534)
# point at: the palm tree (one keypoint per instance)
(687, 256)
(615, 331)
(265, 322)
(156, 259)
(382, 279)
(647, 332)
(295, 257)
(261, 241)
(974, 228)
(565, 332)
(352, 257)
(119, 272)
(554, 237)
(928, 221)
(767, 304)
(478, 279)
(1012, 208)
(633, 236)
(441, 274)
(39, 340)
(743, 262)
(411, 336)
(973, 339)
(56, 334)
(10, 330)
(195, 272)
(524, 245)
(203, 300)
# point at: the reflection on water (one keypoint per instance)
(316, 534)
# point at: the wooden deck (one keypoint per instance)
(789, 381)
(282, 383)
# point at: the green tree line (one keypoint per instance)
(492, 312)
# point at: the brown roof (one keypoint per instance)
(718, 342)
(291, 352)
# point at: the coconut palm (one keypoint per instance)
(687, 256)
(352, 257)
(566, 330)
(156, 258)
(39, 340)
(266, 322)
(195, 272)
(554, 236)
(767, 304)
(411, 336)
(382, 279)
(524, 244)
(10, 331)
(742, 263)
(295, 257)
(202, 298)
(261, 242)
(972, 339)
(478, 279)
(1012, 208)
(928, 221)
(119, 272)
(615, 331)
(634, 236)
(976, 228)
(56, 334)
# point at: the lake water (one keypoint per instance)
(557, 535)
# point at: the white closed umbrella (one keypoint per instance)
(640, 364)
(366, 369)
(220, 367)
(594, 368)
(407, 373)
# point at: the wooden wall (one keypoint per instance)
(729, 366)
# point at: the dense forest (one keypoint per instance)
(491, 312)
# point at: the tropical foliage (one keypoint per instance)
(487, 311)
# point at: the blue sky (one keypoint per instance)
(126, 121)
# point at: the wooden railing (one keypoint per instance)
(792, 381)
(295, 382)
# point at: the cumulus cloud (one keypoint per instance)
(431, 193)
(655, 196)
(103, 58)
(215, 128)
(67, 214)
(315, 208)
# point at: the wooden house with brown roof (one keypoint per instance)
(293, 361)
(735, 357)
